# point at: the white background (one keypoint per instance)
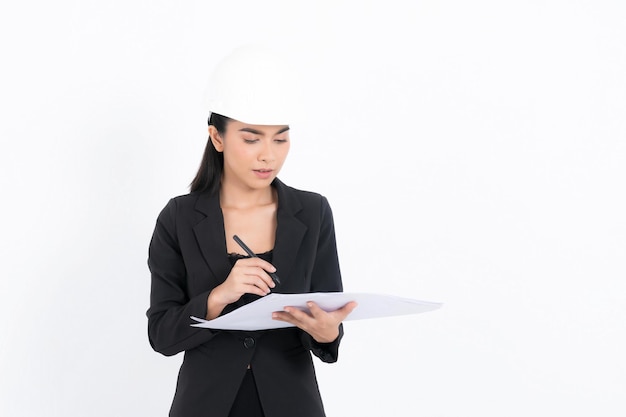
(473, 154)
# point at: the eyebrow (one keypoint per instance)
(258, 132)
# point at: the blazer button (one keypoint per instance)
(248, 342)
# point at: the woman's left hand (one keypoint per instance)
(321, 325)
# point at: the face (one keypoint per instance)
(253, 154)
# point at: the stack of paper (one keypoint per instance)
(258, 314)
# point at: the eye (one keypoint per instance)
(250, 140)
(280, 140)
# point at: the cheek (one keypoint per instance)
(284, 151)
(237, 153)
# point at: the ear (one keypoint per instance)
(216, 138)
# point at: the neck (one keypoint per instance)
(232, 196)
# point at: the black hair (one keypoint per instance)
(209, 175)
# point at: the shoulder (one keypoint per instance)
(185, 200)
(184, 205)
(306, 205)
(180, 201)
(303, 195)
(295, 196)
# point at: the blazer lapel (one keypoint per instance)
(211, 239)
(210, 235)
(289, 232)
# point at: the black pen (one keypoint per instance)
(252, 254)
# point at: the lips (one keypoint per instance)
(263, 172)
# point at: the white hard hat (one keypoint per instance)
(254, 85)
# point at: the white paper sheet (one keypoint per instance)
(258, 314)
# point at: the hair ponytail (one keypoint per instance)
(209, 175)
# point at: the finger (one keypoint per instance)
(349, 308)
(253, 289)
(253, 281)
(283, 316)
(288, 318)
(315, 309)
(259, 263)
(298, 317)
(248, 280)
(262, 280)
(262, 274)
(343, 312)
(254, 274)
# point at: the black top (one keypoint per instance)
(234, 257)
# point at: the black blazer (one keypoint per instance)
(188, 258)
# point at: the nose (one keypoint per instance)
(267, 153)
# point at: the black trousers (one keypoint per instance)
(247, 402)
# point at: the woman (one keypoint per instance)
(198, 269)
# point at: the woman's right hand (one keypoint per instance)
(248, 276)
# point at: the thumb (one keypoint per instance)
(349, 307)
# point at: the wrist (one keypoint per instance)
(327, 339)
(214, 304)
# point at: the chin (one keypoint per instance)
(260, 184)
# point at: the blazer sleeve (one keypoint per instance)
(169, 330)
(326, 277)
